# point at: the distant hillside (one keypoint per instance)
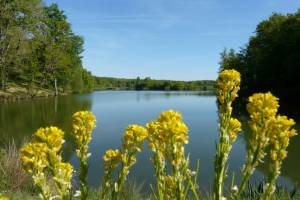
(109, 83)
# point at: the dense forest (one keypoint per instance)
(271, 59)
(39, 49)
(104, 83)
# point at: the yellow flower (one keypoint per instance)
(34, 157)
(4, 198)
(52, 136)
(112, 158)
(83, 124)
(64, 175)
(273, 155)
(169, 115)
(227, 85)
(153, 138)
(84, 120)
(170, 127)
(234, 128)
(282, 131)
(134, 134)
(262, 106)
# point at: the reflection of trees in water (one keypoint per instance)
(149, 95)
(18, 120)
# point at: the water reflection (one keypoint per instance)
(115, 110)
(18, 120)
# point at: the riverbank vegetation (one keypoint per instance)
(39, 50)
(40, 55)
(104, 83)
(167, 137)
(270, 60)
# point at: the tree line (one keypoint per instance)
(39, 49)
(104, 83)
(270, 61)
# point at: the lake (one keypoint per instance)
(117, 109)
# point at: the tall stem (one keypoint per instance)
(83, 179)
(223, 150)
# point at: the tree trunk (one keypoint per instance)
(3, 79)
(55, 85)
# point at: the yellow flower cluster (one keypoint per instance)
(227, 85)
(4, 198)
(280, 138)
(134, 134)
(169, 128)
(83, 124)
(52, 136)
(42, 156)
(112, 158)
(282, 131)
(34, 157)
(132, 143)
(262, 107)
(234, 128)
(167, 137)
(266, 128)
(64, 177)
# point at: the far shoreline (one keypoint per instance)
(21, 94)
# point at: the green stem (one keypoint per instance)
(272, 181)
(223, 150)
(193, 188)
(159, 174)
(83, 179)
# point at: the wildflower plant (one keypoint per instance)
(279, 139)
(227, 87)
(83, 124)
(112, 159)
(41, 158)
(262, 108)
(133, 138)
(34, 160)
(167, 137)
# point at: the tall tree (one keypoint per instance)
(271, 59)
(17, 18)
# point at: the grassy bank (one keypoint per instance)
(15, 92)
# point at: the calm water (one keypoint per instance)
(115, 110)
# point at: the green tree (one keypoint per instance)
(16, 29)
(271, 59)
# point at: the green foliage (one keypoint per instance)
(271, 59)
(39, 48)
(103, 83)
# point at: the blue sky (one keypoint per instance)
(164, 39)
